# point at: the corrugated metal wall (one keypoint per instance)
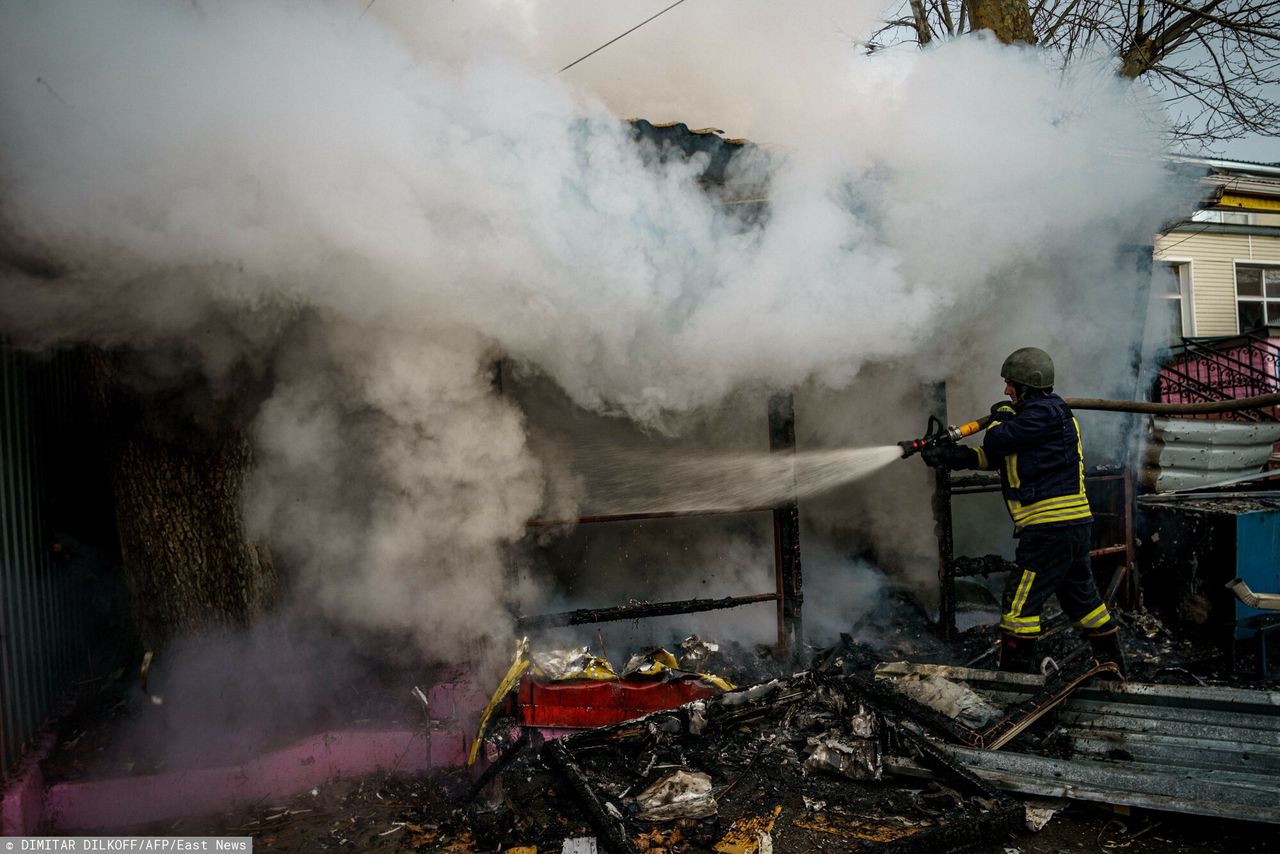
(43, 626)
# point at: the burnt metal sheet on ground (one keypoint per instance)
(807, 752)
(1251, 797)
(1206, 754)
(1196, 749)
(1199, 696)
(1221, 726)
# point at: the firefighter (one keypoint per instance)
(1034, 442)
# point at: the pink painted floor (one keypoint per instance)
(30, 805)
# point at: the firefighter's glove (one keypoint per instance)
(1002, 410)
(948, 456)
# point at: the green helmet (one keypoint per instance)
(1028, 366)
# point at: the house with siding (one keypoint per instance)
(1219, 270)
(1217, 275)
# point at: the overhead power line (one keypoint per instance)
(617, 38)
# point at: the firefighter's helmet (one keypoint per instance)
(1028, 366)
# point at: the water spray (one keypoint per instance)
(625, 483)
(939, 434)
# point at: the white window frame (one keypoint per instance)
(1185, 268)
(1219, 215)
(1264, 299)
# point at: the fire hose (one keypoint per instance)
(938, 433)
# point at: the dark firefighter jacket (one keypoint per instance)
(1041, 462)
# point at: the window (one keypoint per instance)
(1257, 296)
(1168, 286)
(1223, 217)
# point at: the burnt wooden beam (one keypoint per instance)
(936, 402)
(527, 737)
(786, 531)
(584, 616)
(613, 833)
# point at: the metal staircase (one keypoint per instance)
(1206, 370)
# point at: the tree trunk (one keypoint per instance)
(186, 559)
(177, 486)
(1010, 20)
(1137, 60)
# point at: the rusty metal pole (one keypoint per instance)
(786, 531)
(946, 548)
(1142, 257)
(936, 398)
(1130, 557)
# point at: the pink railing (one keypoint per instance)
(1221, 369)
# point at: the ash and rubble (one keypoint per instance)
(799, 759)
(814, 760)
(801, 762)
(821, 747)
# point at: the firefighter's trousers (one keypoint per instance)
(1053, 560)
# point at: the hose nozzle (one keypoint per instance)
(912, 446)
(938, 433)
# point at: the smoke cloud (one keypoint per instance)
(374, 207)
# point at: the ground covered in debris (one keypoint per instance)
(397, 814)
(120, 728)
(799, 759)
(1154, 653)
(803, 760)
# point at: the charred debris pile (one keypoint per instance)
(798, 763)
(857, 753)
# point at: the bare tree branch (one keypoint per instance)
(1214, 62)
(946, 17)
(1053, 28)
(921, 17)
(1228, 23)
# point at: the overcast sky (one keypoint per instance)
(1264, 149)
(637, 77)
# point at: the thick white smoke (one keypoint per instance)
(380, 205)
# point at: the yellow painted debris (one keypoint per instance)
(856, 828)
(581, 664)
(522, 849)
(744, 836)
(659, 840)
(420, 837)
(587, 667)
(722, 684)
(590, 667)
(462, 845)
(662, 660)
(659, 660)
(518, 666)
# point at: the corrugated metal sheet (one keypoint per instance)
(1189, 749)
(1187, 453)
(42, 625)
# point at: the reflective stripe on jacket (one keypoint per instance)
(1041, 462)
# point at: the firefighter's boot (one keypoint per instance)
(1106, 647)
(1018, 654)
